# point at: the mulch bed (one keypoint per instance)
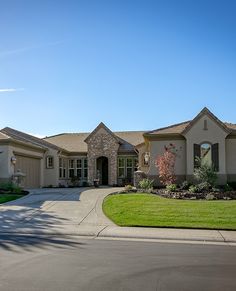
(184, 194)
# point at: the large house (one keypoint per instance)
(113, 157)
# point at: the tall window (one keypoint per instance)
(205, 153)
(208, 153)
(129, 168)
(121, 168)
(71, 168)
(79, 168)
(85, 168)
(62, 168)
(126, 168)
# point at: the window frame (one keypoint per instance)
(48, 166)
(62, 168)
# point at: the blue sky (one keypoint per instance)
(135, 65)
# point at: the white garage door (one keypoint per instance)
(31, 167)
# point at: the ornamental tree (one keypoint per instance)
(166, 165)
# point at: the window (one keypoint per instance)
(79, 168)
(62, 168)
(85, 168)
(121, 168)
(205, 154)
(129, 168)
(82, 168)
(71, 169)
(126, 168)
(209, 154)
(49, 162)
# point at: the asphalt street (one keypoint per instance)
(72, 263)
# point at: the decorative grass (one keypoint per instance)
(150, 210)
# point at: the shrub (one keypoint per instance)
(227, 187)
(232, 184)
(128, 187)
(171, 187)
(146, 184)
(166, 165)
(10, 187)
(185, 185)
(204, 186)
(205, 173)
(193, 189)
(216, 189)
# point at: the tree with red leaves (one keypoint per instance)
(166, 165)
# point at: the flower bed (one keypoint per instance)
(208, 195)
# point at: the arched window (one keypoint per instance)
(206, 153)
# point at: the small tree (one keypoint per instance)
(205, 173)
(166, 165)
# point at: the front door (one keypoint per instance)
(102, 170)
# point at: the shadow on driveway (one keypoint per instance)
(31, 215)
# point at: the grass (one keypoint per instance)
(154, 211)
(9, 197)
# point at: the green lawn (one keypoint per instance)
(8, 197)
(154, 211)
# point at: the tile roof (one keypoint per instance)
(4, 136)
(74, 142)
(230, 125)
(172, 129)
(27, 138)
(180, 127)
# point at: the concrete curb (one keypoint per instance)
(115, 232)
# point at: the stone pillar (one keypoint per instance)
(138, 176)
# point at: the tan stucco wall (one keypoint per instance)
(51, 176)
(157, 148)
(5, 165)
(231, 156)
(214, 134)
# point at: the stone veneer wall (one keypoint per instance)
(102, 143)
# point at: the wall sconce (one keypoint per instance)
(13, 160)
(146, 158)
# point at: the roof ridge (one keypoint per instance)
(27, 137)
(66, 133)
(169, 126)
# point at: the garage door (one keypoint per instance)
(31, 167)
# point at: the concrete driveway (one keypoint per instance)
(53, 211)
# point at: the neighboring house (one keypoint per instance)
(113, 157)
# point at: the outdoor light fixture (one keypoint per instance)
(146, 158)
(13, 160)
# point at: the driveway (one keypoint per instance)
(54, 211)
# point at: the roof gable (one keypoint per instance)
(102, 125)
(205, 111)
